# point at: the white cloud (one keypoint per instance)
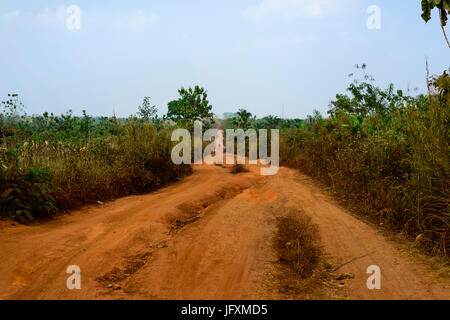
(290, 9)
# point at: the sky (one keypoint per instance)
(271, 57)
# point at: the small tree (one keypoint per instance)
(147, 112)
(242, 120)
(193, 105)
(366, 98)
(10, 112)
(12, 107)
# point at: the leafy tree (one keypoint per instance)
(366, 98)
(86, 124)
(12, 107)
(10, 112)
(441, 86)
(147, 112)
(174, 112)
(444, 10)
(192, 105)
(242, 120)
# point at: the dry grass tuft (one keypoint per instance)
(238, 168)
(305, 274)
(298, 246)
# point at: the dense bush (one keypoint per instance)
(50, 163)
(387, 153)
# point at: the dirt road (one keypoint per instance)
(206, 237)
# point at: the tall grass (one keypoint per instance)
(394, 167)
(50, 164)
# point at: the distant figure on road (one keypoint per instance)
(218, 143)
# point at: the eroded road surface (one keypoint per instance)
(209, 236)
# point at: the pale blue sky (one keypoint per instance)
(257, 54)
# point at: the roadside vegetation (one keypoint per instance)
(51, 163)
(385, 152)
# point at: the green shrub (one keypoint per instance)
(26, 194)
